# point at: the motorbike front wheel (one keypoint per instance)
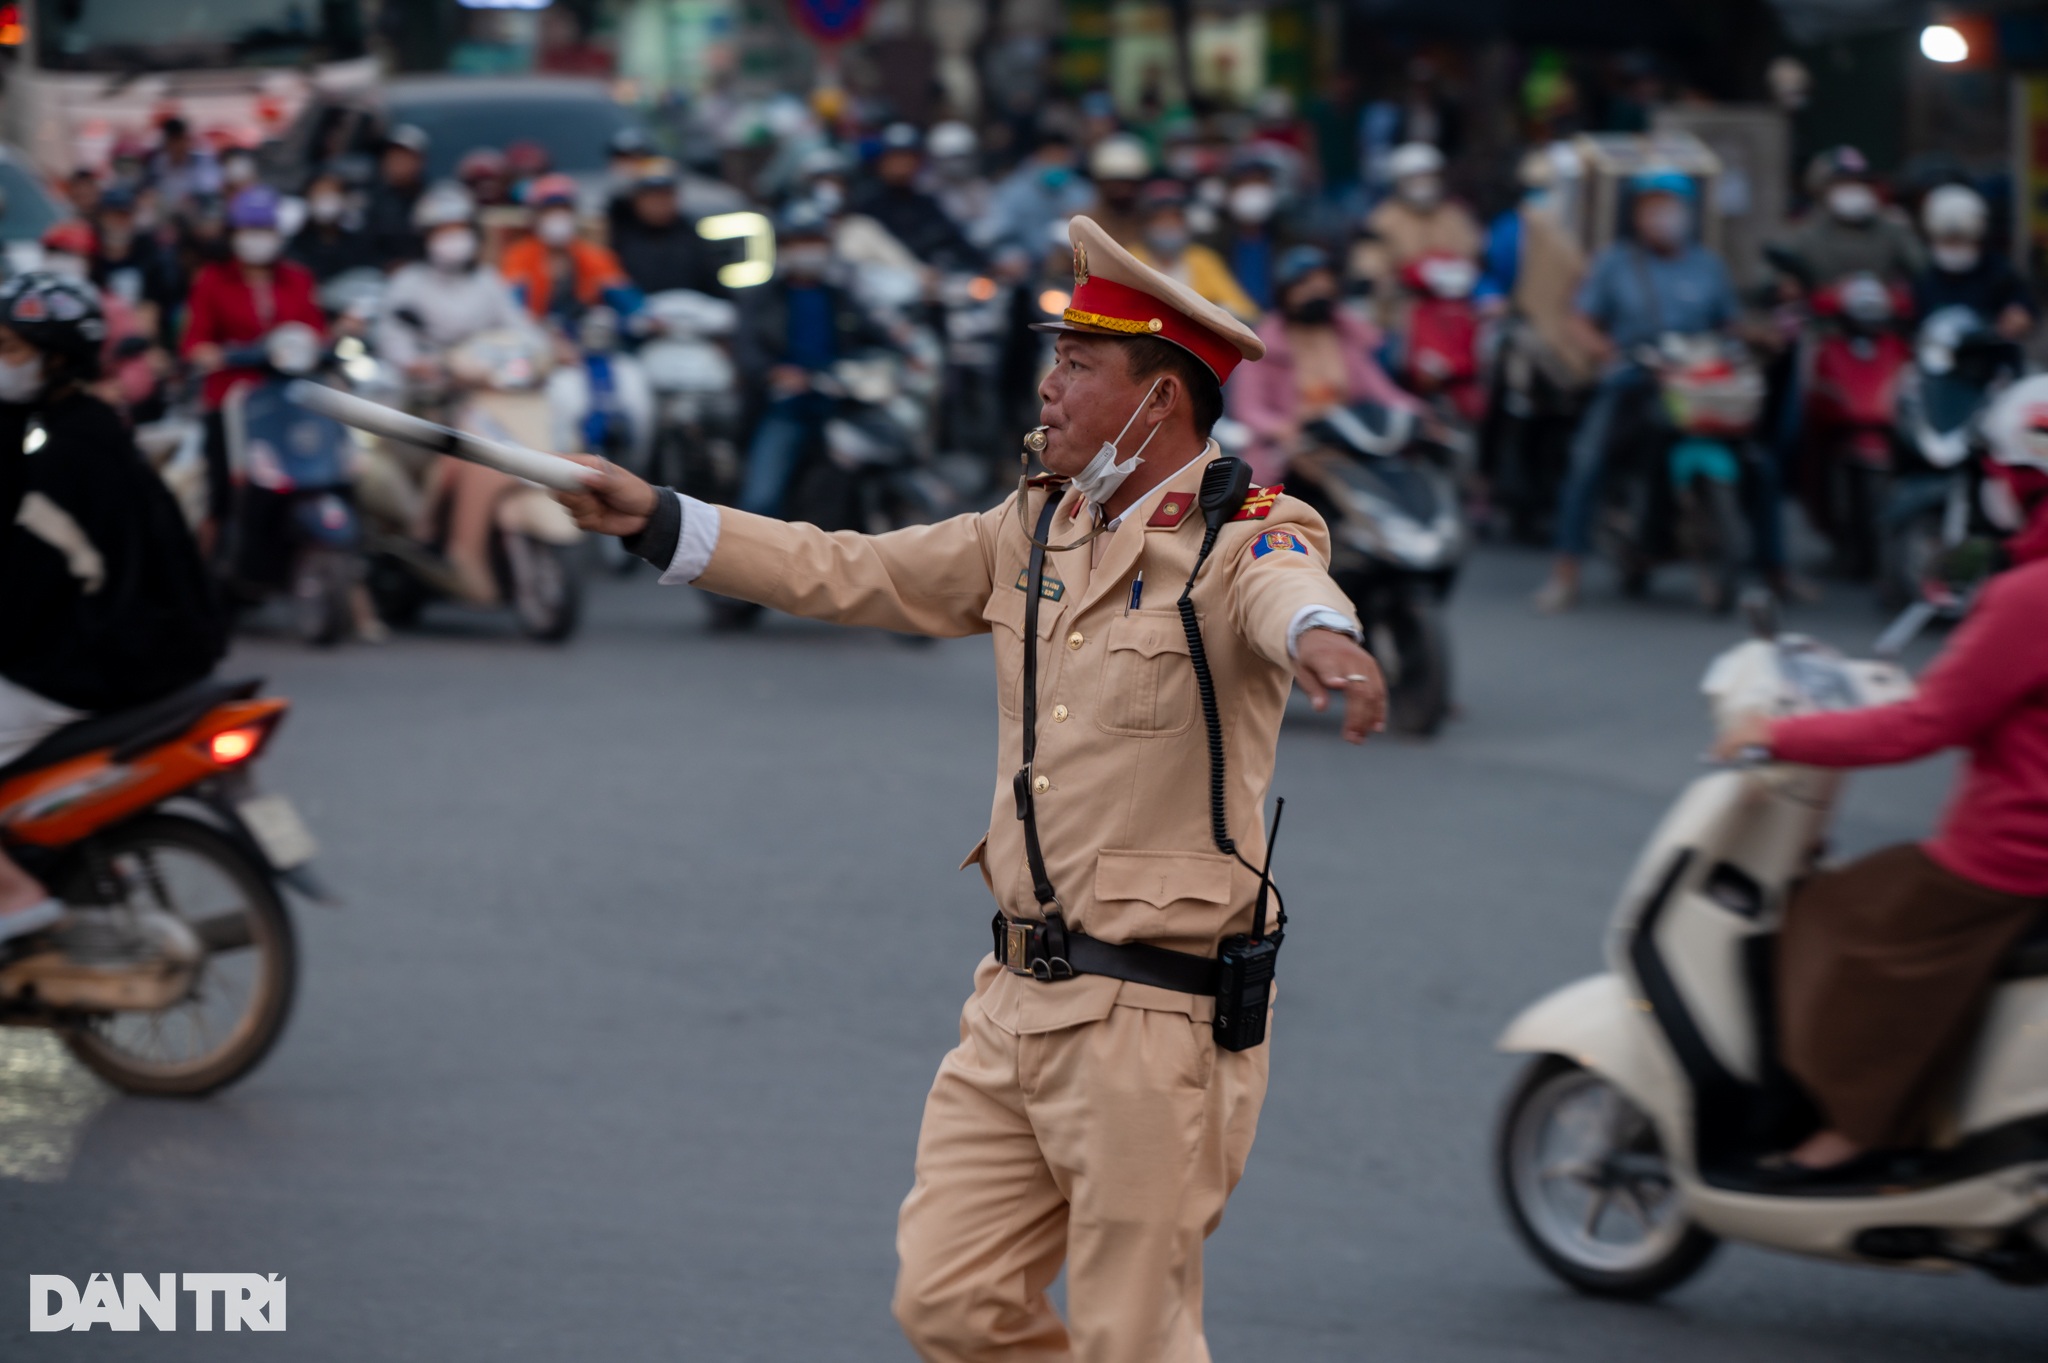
(242, 991)
(1588, 1188)
(321, 582)
(1414, 651)
(544, 586)
(1716, 537)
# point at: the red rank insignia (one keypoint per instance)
(1173, 510)
(1258, 504)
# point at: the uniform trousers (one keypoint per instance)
(1110, 1145)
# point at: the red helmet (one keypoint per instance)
(482, 163)
(527, 158)
(550, 190)
(72, 237)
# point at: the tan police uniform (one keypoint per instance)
(1089, 1120)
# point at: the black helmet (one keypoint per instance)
(57, 316)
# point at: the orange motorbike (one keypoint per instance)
(173, 969)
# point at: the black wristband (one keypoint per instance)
(656, 541)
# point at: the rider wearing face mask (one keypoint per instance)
(105, 603)
(1417, 219)
(1318, 356)
(1169, 247)
(1848, 230)
(555, 271)
(233, 306)
(1961, 273)
(1247, 240)
(332, 241)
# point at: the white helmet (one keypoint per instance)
(2016, 427)
(1120, 156)
(1415, 158)
(1954, 211)
(443, 205)
(951, 138)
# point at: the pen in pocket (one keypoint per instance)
(1137, 592)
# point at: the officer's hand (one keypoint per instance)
(618, 503)
(1327, 661)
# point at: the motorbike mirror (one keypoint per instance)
(1760, 609)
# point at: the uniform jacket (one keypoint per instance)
(1124, 814)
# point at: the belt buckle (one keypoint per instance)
(1017, 947)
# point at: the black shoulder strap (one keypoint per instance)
(1041, 884)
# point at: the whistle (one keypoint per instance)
(1034, 440)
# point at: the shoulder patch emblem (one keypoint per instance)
(1275, 541)
(1173, 510)
(1049, 589)
(1258, 504)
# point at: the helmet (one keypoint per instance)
(1295, 263)
(1414, 158)
(57, 316)
(408, 136)
(1537, 169)
(802, 219)
(1661, 180)
(1120, 156)
(551, 190)
(71, 237)
(901, 137)
(1162, 194)
(951, 138)
(1954, 211)
(481, 163)
(2016, 429)
(656, 172)
(255, 207)
(629, 140)
(443, 205)
(1836, 163)
(821, 161)
(524, 158)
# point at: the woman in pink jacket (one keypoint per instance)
(1884, 964)
(1317, 357)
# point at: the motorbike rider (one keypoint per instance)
(1658, 280)
(1318, 356)
(1119, 166)
(796, 326)
(962, 191)
(1849, 232)
(401, 180)
(1043, 191)
(106, 603)
(1169, 247)
(234, 304)
(1417, 219)
(430, 307)
(332, 241)
(554, 270)
(1246, 240)
(657, 246)
(1961, 273)
(908, 213)
(1884, 963)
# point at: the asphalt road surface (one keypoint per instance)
(652, 944)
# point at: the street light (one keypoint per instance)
(1943, 43)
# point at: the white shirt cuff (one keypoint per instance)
(695, 545)
(1305, 619)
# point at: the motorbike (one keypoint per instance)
(174, 967)
(1675, 487)
(1525, 442)
(1397, 541)
(695, 445)
(1851, 411)
(492, 388)
(1440, 359)
(1960, 363)
(1627, 1148)
(295, 530)
(602, 403)
(975, 311)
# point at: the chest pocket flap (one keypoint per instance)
(1005, 615)
(1148, 680)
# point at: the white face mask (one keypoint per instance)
(1666, 224)
(452, 249)
(556, 228)
(65, 266)
(1853, 202)
(1423, 191)
(21, 380)
(1253, 203)
(828, 197)
(257, 246)
(238, 170)
(1103, 476)
(324, 207)
(1957, 257)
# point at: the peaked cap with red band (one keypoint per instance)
(1116, 294)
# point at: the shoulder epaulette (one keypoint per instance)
(1258, 503)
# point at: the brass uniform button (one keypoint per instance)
(1075, 640)
(1041, 784)
(1059, 712)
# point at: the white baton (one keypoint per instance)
(549, 470)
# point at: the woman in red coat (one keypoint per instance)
(1884, 964)
(234, 304)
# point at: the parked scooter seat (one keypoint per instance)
(131, 731)
(2030, 958)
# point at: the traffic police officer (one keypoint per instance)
(1087, 1118)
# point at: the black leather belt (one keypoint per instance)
(1050, 951)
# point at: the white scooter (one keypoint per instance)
(1628, 1148)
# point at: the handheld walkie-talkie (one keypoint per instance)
(1245, 965)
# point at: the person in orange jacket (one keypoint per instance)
(555, 272)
